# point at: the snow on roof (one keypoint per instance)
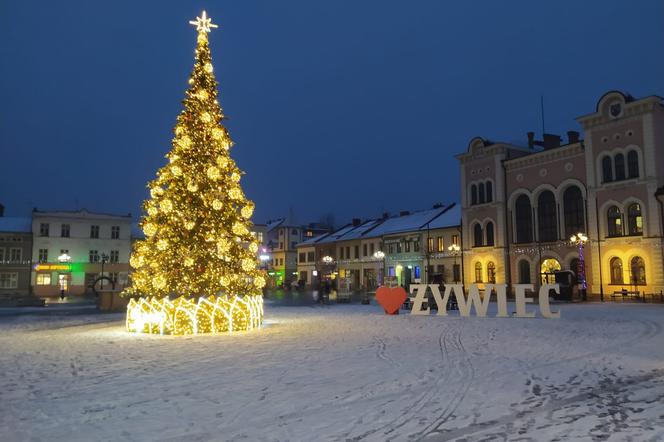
(451, 217)
(405, 223)
(360, 230)
(312, 241)
(15, 224)
(274, 223)
(334, 236)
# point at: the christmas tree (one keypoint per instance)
(198, 247)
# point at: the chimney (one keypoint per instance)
(357, 222)
(386, 215)
(437, 206)
(551, 141)
(531, 140)
(404, 213)
(572, 136)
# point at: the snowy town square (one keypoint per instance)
(339, 372)
(303, 221)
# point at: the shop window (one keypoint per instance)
(638, 267)
(634, 219)
(607, 169)
(616, 270)
(546, 217)
(491, 273)
(478, 271)
(43, 279)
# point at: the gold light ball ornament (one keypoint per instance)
(192, 187)
(177, 170)
(208, 68)
(217, 133)
(248, 264)
(247, 211)
(235, 177)
(225, 281)
(259, 282)
(152, 211)
(217, 205)
(226, 144)
(166, 206)
(189, 225)
(162, 244)
(222, 161)
(206, 117)
(188, 261)
(149, 229)
(202, 94)
(235, 193)
(179, 130)
(159, 282)
(213, 173)
(223, 246)
(156, 192)
(253, 247)
(185, 142)
(240, 229)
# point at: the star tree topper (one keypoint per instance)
(203, 23)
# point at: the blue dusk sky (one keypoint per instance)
(345, 106)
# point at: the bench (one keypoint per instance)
(626, 294)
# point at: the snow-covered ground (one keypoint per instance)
(341, 372)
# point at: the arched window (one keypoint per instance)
(574, 211)
(634, 219)
(478, 271)
(524, 272)
(607, 170)
(473, 195)
(489, 191)
(481, 192)
(614, 220)
(619, 161)
(489, 234)
(638, 267)
(616, 270)
(632, 164)
(546, 217)
(523, 214)
(477, 235)
(491, 273)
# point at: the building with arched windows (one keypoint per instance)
(521, 204)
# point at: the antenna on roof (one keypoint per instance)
(542, 112)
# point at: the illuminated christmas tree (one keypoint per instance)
(196, 269)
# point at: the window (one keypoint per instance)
(115, 257)
(64, 230)
(357, 252)
(407, 246)
(524, 219)
(478, 271)
(43, 279)
(491, 273)
(281, 261)
(430, 244)
(481, 193)
(416, 271)
(616, 270)
(2, 254)
(390, 271)
(281, 245)
(43, 255)
(607, 170)
(473, 195)
(416, 245)
(311, 257)
(632, 164)
(398, 247)
(15, 254)
(455, 239)
(64, 252)
(348, 252)
(293, 231)
(634, 219)
(9, 280)
(546, 217)
(441, 246)
(638, 267)
(489, 191)
(259, 236)
(302, 257)
(371, 249)
(524, 272)
(390, 248)
(43, 229)
(489, 234)
(309, 234)
(477, 235)
(113, 276)
(364, 250)
(614, 220)
(619, 161)
(115, 232)
(90, 279)
(574, 211)
(94, 256)
(94, 231)
(281, 232)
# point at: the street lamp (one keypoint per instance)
(380, 255)
(327, 259)
(104, 260)
(64, 258)
(454, 250)
(579, 239)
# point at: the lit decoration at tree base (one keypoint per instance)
(182, 316)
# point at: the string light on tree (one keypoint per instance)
(196, 270)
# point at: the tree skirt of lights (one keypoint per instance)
(183, 316)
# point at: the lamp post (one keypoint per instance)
(580, 239)
(380, 255)
(454, 250)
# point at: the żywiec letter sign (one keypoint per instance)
(466, 303)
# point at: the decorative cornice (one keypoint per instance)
(538, 158)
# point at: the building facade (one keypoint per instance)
(15, 256)
(71, 250)
(521, 204)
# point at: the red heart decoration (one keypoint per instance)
(391, 298)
